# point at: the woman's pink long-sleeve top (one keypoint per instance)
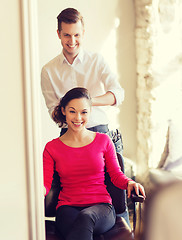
(81, 171)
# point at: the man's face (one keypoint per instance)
(71, 36)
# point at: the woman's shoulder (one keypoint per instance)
(103, 140)
(52, 142)
(103, 136)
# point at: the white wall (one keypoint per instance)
(127, 69)
(13, 195)
(103, 34)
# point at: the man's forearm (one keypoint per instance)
(104, 100)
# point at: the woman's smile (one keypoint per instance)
(77, 124)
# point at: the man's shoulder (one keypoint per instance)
(93, 56)
(52, 62)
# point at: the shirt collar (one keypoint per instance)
(62, 58)
(80, 55)
(79, 58)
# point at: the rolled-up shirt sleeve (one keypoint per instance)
(48, 91)
(110, 81)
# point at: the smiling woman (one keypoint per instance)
(80, 157)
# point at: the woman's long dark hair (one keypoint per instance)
(74, 93)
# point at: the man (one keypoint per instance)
(74, 67)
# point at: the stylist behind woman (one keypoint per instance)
(80, 156)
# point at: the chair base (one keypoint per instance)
(120, 231)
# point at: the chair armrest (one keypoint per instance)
(136, 198)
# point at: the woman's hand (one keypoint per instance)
(139, 189)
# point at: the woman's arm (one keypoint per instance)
(48, 169)
(118, 178)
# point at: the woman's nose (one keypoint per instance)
(78, 116)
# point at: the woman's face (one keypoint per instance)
(77, 113)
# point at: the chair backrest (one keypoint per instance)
(117, 195)
(51, 199)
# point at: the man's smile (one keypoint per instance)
(72, 46)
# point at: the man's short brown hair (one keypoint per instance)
(69, 15)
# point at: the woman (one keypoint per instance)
(80, 156)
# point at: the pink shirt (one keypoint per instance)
(81, 170)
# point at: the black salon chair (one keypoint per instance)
(120, 231)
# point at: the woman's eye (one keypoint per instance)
(72, 112)
(84, 112)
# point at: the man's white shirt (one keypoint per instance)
(89, 70)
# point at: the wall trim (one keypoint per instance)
(31, 76)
